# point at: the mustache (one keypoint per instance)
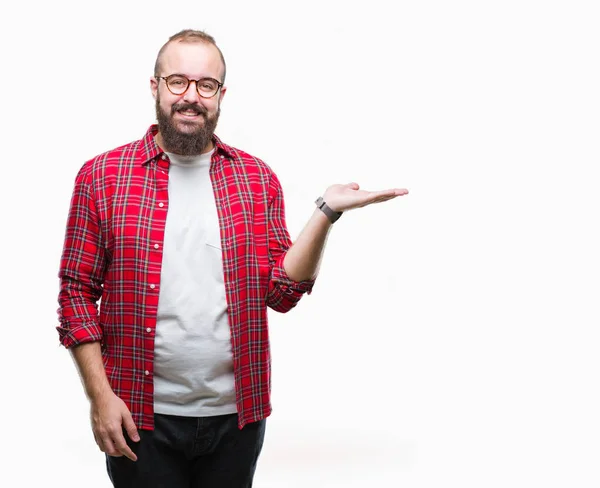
(188, 106)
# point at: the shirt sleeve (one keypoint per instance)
(82, 266)
(284, 293)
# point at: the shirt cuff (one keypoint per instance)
(75, 334)
(279, 276)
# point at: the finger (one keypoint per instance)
(396, 192)
(99, 442)
(353, 185)
(122, 447)
(108, 446)
(384, 195)
(380, 197)
(381, 194)
(383, 199)
(130, 428)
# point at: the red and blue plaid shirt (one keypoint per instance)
(113, 253)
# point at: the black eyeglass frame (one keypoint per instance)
(166, 78)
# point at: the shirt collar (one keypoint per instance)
(148, 149)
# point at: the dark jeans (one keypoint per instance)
(190, 452)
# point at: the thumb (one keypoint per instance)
(130, 427)
(353, 185)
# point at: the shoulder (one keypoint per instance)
(250, 163)
(111, 161)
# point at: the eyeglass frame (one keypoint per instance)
(219, 84)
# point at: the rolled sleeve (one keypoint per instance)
(280, 277)
(285, 293)
(72, 335)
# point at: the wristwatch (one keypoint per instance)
(332, 215)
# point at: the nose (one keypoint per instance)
(191, 94)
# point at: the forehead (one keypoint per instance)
(193, 59)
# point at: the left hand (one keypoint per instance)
(346, 197)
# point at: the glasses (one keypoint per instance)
(178, 85)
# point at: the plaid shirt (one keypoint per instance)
(113, 253)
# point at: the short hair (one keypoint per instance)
(189, 35)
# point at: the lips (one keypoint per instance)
(191, 113)
(189, 110)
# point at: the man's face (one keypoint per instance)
(187, 122)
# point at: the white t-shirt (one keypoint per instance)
(193, 364)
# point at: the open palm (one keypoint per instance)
(346, 197)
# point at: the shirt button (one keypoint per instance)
(155, 246)
(153, 286)
(146, 372)
(161, 204)
(148, 329)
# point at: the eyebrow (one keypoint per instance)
(201, 78)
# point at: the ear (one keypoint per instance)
(154, 87)
(222, 93)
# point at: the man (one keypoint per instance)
(183, 240)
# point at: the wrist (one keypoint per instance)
(320, 218)
(98, 391)
(331, 214)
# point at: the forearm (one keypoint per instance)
(88, 359)
(303, 259)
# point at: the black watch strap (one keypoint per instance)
(332, 215)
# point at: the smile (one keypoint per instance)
(188, 113)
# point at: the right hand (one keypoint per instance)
(109, 416)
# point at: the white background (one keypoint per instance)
(452, 336)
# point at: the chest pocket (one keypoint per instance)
(212, 232)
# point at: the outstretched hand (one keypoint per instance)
(346, 197)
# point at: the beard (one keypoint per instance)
(186, 143)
